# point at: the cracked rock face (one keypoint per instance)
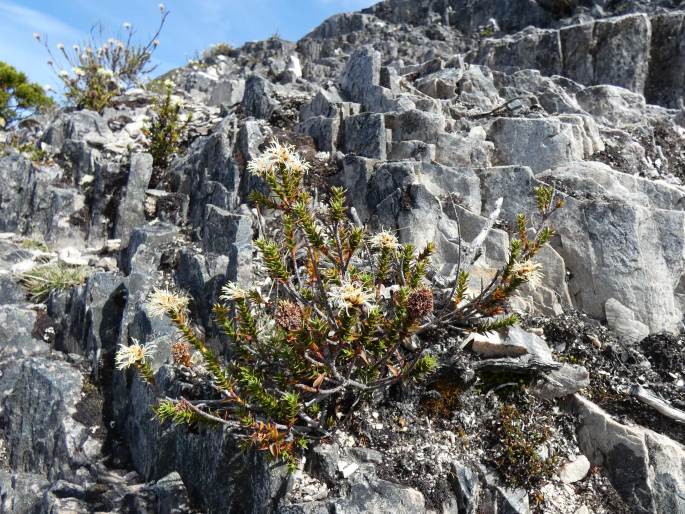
(430, 113)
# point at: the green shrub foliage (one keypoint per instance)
(333, 315)
(165, 131)
(18, 96)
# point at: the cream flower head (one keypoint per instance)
(351, 295)
(278, 154)
(385, 240)
(163, 302)
(530, 271)
(134, 354)
(232, 292)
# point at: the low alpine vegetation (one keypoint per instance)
(165, 130)
(333, 315)
(95, 72)
(43, 280)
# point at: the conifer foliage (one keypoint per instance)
(18, 96)
(333, 315)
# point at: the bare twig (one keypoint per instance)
(648, 398)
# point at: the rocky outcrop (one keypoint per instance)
(430, 113)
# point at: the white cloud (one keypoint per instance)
(21, 50)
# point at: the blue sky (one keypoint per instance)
(192, 25)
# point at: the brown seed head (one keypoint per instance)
(181, 354)
(420, 303)
(288, 316)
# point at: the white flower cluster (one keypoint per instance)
(529, 271)
(351, 295)
(277, 154)
(232, 292)
(163, 302)
(384, 240)
(134, 354)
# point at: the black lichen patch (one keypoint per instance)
(89, 410)
(655, 364)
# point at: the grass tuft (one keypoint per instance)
(42, 280)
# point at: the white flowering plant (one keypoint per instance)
(94, 72)
(336, 317)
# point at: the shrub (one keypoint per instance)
(165, 131)
(30, 150)
(42, 280)
(102, 68)
(216, 50)
(335, 318)
(521, 436)
(18, 96)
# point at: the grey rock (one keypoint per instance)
(131, 208)
(326, 132)
(88, 318)
(172, 496)
(611, 105)
(538, 49)
(20, 493)
(646, 468)
(375, 495)
(415, 125)
(16, 330)
(208, 173)
(411, 150)
(666, 67)
(467, 487)
(552, 296)
(77, 125)
(166, 206)
(202, 458)
(19, 178)
(40, 434)
(143, 253)
(622, 321)
(82, 157)
(533, 344)
(10, 290)
(538, 143)
(441, 84)
(364, 135)
(639, 242)
(504, 499)
(469, 15)
(258, 99)
(612, 51)
(228, 92)
(477, 89)
(355, 177)
(574, 470)
(565, 381)
(223, 228)
(362, 74)
(462, 184)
